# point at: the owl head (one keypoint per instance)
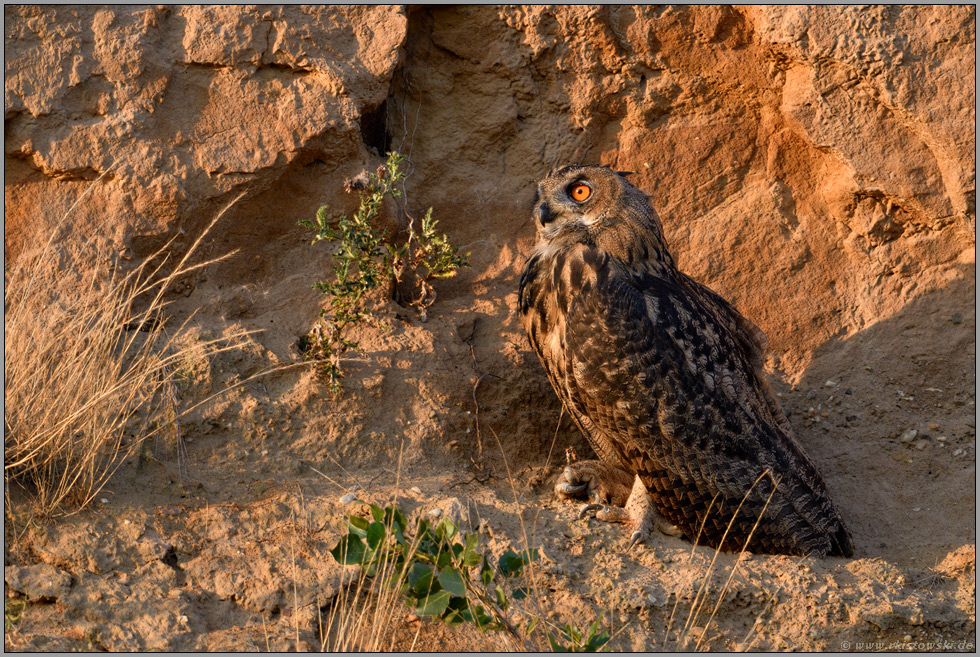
(597, 206)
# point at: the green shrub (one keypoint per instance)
(365, 262)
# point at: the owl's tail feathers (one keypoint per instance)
(841, 544)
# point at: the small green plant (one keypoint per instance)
(13, 610)
(365, 262)
(576, 641)
(444, 575)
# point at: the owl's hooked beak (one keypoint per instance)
(543, 214)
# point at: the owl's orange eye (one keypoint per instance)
(580, 192)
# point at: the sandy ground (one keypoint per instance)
(239, 559)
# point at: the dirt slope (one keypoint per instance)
(816, 166)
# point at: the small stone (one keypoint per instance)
(934, 426)
(435, 514)
(416, 490)
(909, 436)
(916, 509)
(956, 318)
(127, 522)
(811, 395)
(958, 451)
(182, 618)
(830, 384)
(104, 500)
(264, 452)
(348, 498)
(920, 444)
(907, 637)
(941, 439)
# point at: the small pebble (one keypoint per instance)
(909, 436)
(104, 500)
(907, 637)
(916, 509)
(956, 318)
(416, 490)
(933, 426)
(435, 514)
(348, 498)
(830, 384)
(811, 395)
(941, 439)
(127, 522)
(182, 618)
(920, 444)
(958, 451)
(264, 452)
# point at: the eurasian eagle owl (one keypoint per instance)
(665, 379)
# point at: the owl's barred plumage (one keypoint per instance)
(663, 376)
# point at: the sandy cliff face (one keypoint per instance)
(814, 165)
(821, 157)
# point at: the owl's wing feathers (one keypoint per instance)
(693, 420)
(749, 336)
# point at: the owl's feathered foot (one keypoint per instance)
(613, 498)
(598, 482)
(639, 513)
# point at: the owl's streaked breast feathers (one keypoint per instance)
(664, 376)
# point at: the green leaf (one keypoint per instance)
(453, 582)
(486, 572)
(446, 529)
(530, 555)
(434, 604)
(423, 585)
(416, 572)
(521, 592)
(358, 526)
(349, 551)
(555, 646)
(501, 598)
(375, 534)
(470, 556)
(377, 513)
(510, 564)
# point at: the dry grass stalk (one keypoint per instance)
(88, 364)
(691, 632)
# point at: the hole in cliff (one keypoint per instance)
(374, 129)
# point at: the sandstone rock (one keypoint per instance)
(38, 583)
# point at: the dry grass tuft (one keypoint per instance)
(88, 364)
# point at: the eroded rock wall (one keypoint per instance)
(816, 165)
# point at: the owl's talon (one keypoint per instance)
(566, 489)
(586, 508)
(637, 537)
